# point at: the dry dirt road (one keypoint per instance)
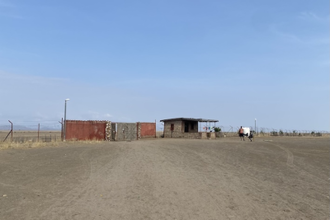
(271, 178)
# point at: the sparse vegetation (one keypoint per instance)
(32, 144)
(274, 133)
(217, 129)
(27, 144)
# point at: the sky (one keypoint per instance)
(126, 61)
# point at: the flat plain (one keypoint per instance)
(270, 178)
(24, 136)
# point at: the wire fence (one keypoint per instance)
(52, 131)
(25, 136)
(27, 132)
(263, 131)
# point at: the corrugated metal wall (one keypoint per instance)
(148, 130)
(96, 130)
(85, 130)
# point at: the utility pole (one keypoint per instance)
(65, 119)
(255, 126)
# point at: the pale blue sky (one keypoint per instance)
(153, 59)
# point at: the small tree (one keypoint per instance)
(217, 129)
(281, 133)
(274, 133)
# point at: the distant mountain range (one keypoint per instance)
(29, 128)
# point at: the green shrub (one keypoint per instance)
(274, 133)
(217, 129)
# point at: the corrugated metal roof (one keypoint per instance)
(190, 119)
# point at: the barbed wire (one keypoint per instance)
(32, 126)
(55, 125)
(235, 128)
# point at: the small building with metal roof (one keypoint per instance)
(198, 128)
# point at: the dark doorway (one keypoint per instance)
(186, 127)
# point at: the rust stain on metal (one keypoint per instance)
(85, 130)
(148, 129)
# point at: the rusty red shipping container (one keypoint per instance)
(148, 129)
(85, 130)
(96, 130)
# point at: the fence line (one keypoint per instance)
(43, 138)
(20, 133)
(25, 133)
(230, 130)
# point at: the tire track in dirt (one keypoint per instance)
(296, 168)
(174, 179)
(219, 180)
(290, 158)
(236, 195)
(90, 198)
(59, 205)
(256, 182)
(73, 197)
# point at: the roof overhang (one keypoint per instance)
(190, 119)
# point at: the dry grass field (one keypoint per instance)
(31, 136)
(273, 178)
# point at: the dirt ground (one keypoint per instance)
(273, 178)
